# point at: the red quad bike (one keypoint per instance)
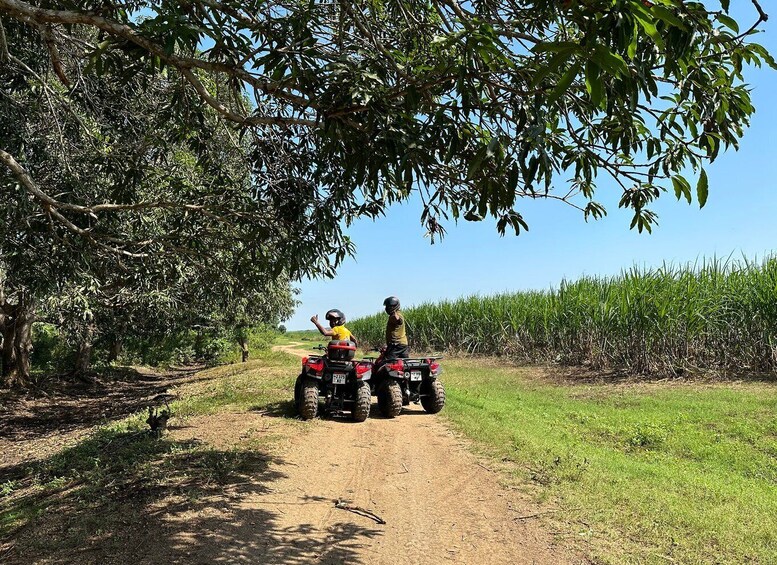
(342, 382)
(398, 382)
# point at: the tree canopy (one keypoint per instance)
(350, 106)
(166, 253)
(206, 153)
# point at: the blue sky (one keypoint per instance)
(393, 256)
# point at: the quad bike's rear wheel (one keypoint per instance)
(361, 404)
(308, 407)
(298, 392)
(433, 397)
(390, 398)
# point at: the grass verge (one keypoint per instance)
(312, 336)
(646, 473)
(112, 478)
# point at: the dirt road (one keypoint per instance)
(438, 503)
(401, 491)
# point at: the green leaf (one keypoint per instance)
(729, 22)
(555, 47)
(476, 163)
(681, 188)
(668, 17)
(594, 210)
(493, 147)
(702, 188)
(610, 61)
(632, 48)
(761, 51)
(564, 83)
(472, 216)
(513, 178)
(644, 18)
(554, 64)
(483, 203)
(518, 223)
(593, 83)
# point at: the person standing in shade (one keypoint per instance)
(396, 330)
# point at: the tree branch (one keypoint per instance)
(56, 59)
(35, 16)
(51, 205)
(5, 56)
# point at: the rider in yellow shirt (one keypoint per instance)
(337, 329)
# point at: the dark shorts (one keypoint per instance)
(397, 351)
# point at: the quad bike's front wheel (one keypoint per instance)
(308, 406)
(433, 397)
(390, 398)
(361, 404)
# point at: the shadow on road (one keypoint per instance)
(126, 497)
(68, 405)
(279, 409)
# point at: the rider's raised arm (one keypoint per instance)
(322, 329)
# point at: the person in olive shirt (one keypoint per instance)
(396, 330)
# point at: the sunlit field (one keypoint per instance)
(714, 315)
(634, 472)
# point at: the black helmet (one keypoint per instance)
(391, 303)
(335, 317)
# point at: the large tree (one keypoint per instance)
(120, 122)
(475, 105)
(182, 223)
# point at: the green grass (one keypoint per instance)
(646, 473)
(639, 473)
(300, 336)
(260, 339)
(238, 387)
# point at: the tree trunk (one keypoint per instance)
(2, 328)
(117, 342)
(243, 347)
(9, 340)
(23, 346)
(83, 359)
(199, 343)
(115, 350)
(17, 344)
(3, 318)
